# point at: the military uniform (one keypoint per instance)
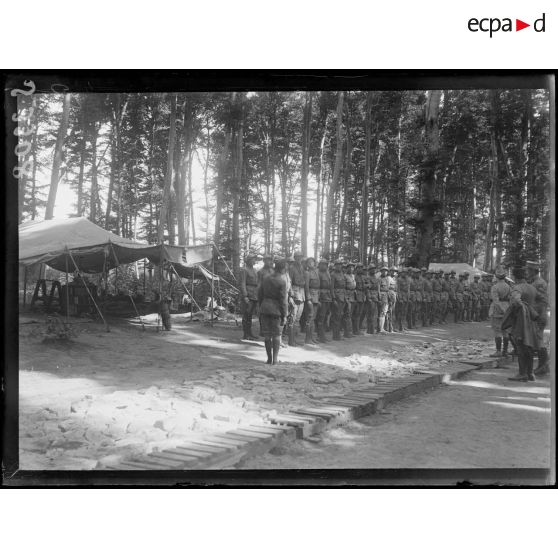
(486, 287)
(444, 298)
(426, 301)
(467, 300)
(372, 302)
(312, 304)
(326, 298)
(402, 304)
(476, 295)
(360, 297)
(348, 308)
(384, 283)
(419, 300)
(338, 303)
(412, 300)
(453, 303)
(436, 299)
(248, 283)
(541, 308)
(299, 287)
(500, 295)
(459, 300)
(519, 321)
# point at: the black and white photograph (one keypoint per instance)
(262, 276)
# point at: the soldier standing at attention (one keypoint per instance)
(412, 298)
(299, 288)
(427, 296)
(436, 297)
(476, 294)
(267, 268)
(290, 302)
(418, 310)
(486, 287)
(350, 287)
(384, 281)
(500, 295)
(365, 306)
(452, 282)
(272, 296)
(467, 298)
(249, 296)
(402, 304)
(338, 304)
(459, 298)
(444, 297)
(313, 300)
(360, 297)
(541, 307)
(519, 321)
(326, 298)
(373, 299)
(392, 298)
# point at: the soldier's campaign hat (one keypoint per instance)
(348, 264)
(323, 261)
(393, 268)
(466, 273)
(250, 256)
(372, 266)
(298, 254)
(267, 256)
(338, 262)
(384, 268)
(311, 258)
(452, 272)
(358, 264)
(500, 272)
(289, 258)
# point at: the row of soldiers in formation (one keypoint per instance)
(349, 299)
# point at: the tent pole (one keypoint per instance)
(144, 260)
(89, 292)
(67, 293)
(187, 291)
(224, 261)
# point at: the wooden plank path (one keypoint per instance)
(226, 449)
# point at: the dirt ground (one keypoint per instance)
(106, 396)
(482, 421)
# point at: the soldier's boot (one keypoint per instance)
(356, 327)
(347, 328)
(245, 326)
(321, 334)
(336, 328)
(309, 330)
(498, 352)
(542, 367)
(276, 344)
(361, 320)
(506, 341)
(382, 324)
(268, 350)
(251, 335)
(292, 336)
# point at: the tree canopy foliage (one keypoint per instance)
(400, 177)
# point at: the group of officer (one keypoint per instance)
(351, 299)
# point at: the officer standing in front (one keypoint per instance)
(248, 283)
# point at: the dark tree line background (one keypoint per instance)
(400, 177)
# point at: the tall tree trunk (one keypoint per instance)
(344, 223)
(428, 204)
(184, 168)
(221, 177)
(237, 188)
(307, 120)
(320, 196)
(205, 183)
(336, 171)
(58, 154)
(94, 193)
(366, 181)
(168, 175)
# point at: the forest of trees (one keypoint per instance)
(400, 177)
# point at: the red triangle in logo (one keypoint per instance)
(519, 25)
